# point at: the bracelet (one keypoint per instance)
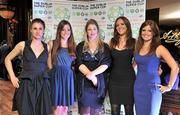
(170, 86)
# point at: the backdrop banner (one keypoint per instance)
(78, 12)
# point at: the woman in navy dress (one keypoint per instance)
(60, 61)
(148, 52)
(122, 74)
(32, 95)
(93, 59)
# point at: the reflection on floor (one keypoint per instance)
(6, 95)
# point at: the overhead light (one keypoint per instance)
(7, 14)
(6, 11)
(173, 15)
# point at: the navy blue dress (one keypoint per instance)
(33, 95)
(90, 95)
(147, 95)
(62, 79)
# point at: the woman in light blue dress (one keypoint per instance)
(148, 52)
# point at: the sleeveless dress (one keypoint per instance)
(62, 80)
(33, 95)
(122, 77)
(147, 95)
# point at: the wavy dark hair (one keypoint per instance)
(155, 40)
(130, 43)
(57, 42)
(37, 20)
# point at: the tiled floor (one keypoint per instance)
(6, 95)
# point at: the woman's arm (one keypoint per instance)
(105, 62)
(49, 61)
(8, 62)
(83, 69)
(163, 53)
(99, 70)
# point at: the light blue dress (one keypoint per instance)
(147, 95)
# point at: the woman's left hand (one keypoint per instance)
(164, 89)
(94, 80)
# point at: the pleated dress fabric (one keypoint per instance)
(62, 80)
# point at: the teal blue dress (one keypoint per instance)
(147, 95)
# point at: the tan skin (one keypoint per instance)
(37, 31)
(162, 53)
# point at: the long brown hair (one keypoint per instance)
(130, 42)
(155, 40)
(100, 42)
(57, 42)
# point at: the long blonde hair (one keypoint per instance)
(86, 43)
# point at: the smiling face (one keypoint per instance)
(37, 30)
(147, 33)
(92, 32)
(121, 27)
(66, 32)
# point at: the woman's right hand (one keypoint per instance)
(15, 82)
(89, 75)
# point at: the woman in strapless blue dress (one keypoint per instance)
(148, 52)
(60, 62)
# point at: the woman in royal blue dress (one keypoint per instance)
(60, 62)
(148, 53)
(93, 59)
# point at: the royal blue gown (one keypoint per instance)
(62, 79)
(147, 95)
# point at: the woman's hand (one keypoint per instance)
(15, 82)
(164, 89)
(94, 80)
(91, 76)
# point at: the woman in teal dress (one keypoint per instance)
(148, 53)
(60, 62)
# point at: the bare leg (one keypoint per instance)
(95, 111)
(85, 110)
(55, 111)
